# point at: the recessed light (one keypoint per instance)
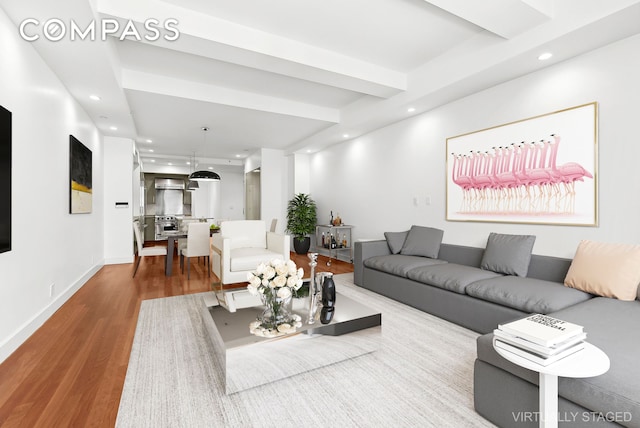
(94, 97)
(210, 167)
(149, 141)
(411, 109)
(169, 164)
(238, 156)
(545, 55)
(345, 135)
(309, 151)
(153, 160)
(150, 150)
(113, 128)
(188, 163)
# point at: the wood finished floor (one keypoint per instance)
(70, 372)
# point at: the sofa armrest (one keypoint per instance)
(221, 252)
(216, 240)
(363, 250)
(279, 243)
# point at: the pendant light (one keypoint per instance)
(204, 175)
(192, 185)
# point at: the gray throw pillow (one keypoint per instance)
(422, 241)
(395, 240)
(508, 254)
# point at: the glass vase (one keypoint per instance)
(276, 310)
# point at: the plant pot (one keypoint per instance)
(302, 247)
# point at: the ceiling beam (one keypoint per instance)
(199, 159)
(154, 83)
(505, 18)
(480, 64)
(211, 37)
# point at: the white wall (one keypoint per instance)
(302, 179)
(231, 196)
(371, 181)
(137, 187)
(118, 187)
(50, 246)
(275, 183)
(273, 187)
(205, 200)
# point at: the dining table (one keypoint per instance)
(171, 236)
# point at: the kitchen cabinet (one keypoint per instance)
(149, 228)
(150, 189)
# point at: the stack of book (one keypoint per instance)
(540, 338)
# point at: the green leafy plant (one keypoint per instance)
(301, 216)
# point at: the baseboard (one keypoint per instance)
(10, 345)
(118, 260)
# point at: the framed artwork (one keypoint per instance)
(540, 170)
(80, 173)
(5, 179)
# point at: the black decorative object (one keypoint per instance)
(328, 292)
(302, 246)
(328, 299)
(5, 180)
(326, 315)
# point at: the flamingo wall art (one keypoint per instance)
(537, 170)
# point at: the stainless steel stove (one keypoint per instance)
(164, 222)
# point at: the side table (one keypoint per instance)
(589, 362)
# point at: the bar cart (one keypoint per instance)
(333, 240)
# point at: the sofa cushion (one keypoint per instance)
(249, 258)
(422, 241)
(451, 276)
(508, 254)
(395, 240)
(609, 270)
(611, 325)
(397, 264)
(527, 294)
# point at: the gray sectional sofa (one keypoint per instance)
(452, 286)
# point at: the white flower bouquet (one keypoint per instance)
(275, 282)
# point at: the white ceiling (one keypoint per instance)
(299, 75)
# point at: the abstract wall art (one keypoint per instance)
(80, 173)
(538, 170)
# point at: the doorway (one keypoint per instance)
(252, 194)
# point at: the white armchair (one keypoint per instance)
(239, 248)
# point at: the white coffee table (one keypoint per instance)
(589, 362)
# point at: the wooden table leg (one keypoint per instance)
(171, 242)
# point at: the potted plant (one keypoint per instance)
(301, 221)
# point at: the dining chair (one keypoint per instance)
(197, 246)
(184, 227)
(144, 251)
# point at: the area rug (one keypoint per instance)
(422, 375)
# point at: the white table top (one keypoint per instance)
(589, 362)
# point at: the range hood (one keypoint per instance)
(169, 184)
